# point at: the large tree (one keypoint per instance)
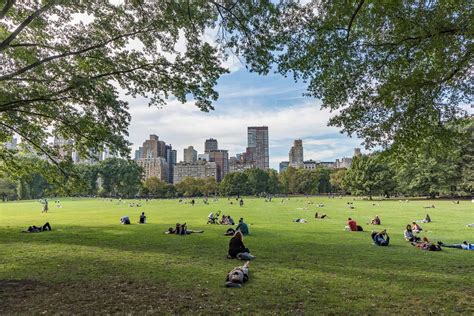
(391, 70)
(63, 63)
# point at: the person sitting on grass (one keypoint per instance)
(352, 226)
(125, 220)
(323, 216)
(300, 220)
(142, 218)
(416, 228)
(425, 244)
(375, 221)
(380, 238)
(182, 229)
(35, 229)
(464, 245)
(237, 248)
(427, 219)
(238, 276)
(243, 227)
(231, 220)
(224, 220)
(409, 235)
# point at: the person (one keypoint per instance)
(352, 226)
(470, 225)
(125, 220)
(238, 276)
(231, 220)
(142, 218)
(243, 227)
(375, 221)
(464, 245)
(381, 238)
(192, 202)
(300, 220)
(427, 219)
(425, 244)
(432, 206)
(237, 248)
(182, 229)
(416, 228)
(409, 236)
(224, 220)
(35, 229)
(316, 215)
(229, 232)
(241, 202)
(45, 206)
(211, 219)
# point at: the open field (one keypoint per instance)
(89, 262)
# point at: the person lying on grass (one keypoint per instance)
(409, 235)
(300, 220)
(238, 276)
(375, 221)
(35, 229)
(427, 219)
(425, 244)
(465, 245)
(229, 232)
(380, 238)
(323, 216)
(237, 248)
(182, 229)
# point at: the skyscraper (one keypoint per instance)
(296, 154)
(210, 144)
(190, 155)
(221, 158)
(257, 140)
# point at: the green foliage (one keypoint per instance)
(119, 177)
(156, 188)
(397, 70)
(370, 175)
(303, 181)
(336, 180)
(235, 183)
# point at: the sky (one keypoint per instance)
(245, 99)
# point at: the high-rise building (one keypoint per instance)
(283, 166)
(199, 169)
(210, 144)
(221, 158)
(190, 155)
(138, 153)
(11, 145)
(310, 164)
(171, 159)
(203, 157)
(357, 152)
(345, 162)
(257, 142)
(151, 148)
(296, 154)
(155, 167)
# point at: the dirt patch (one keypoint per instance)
(122, 297)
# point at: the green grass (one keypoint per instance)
(89, 262)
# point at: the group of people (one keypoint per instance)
(182, 229)
(38, 229)
(225, 220)
(125, 220)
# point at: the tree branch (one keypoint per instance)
(353, 17)
(6, 7)
(24, 24)
(77, 52)
(29, 140)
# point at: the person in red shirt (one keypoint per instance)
(352, 224)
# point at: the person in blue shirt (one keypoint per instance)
(381, 238)
(465, 245)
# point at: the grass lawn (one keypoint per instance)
(91, 263)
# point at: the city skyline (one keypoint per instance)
(245, 99)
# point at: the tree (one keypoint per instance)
(157, 188)
(235, 183)
(369, 175)
(119, 177)
(62, 62)
(7, 189)
(397, 70)
(337, 180)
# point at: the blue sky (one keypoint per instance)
(245, 99)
